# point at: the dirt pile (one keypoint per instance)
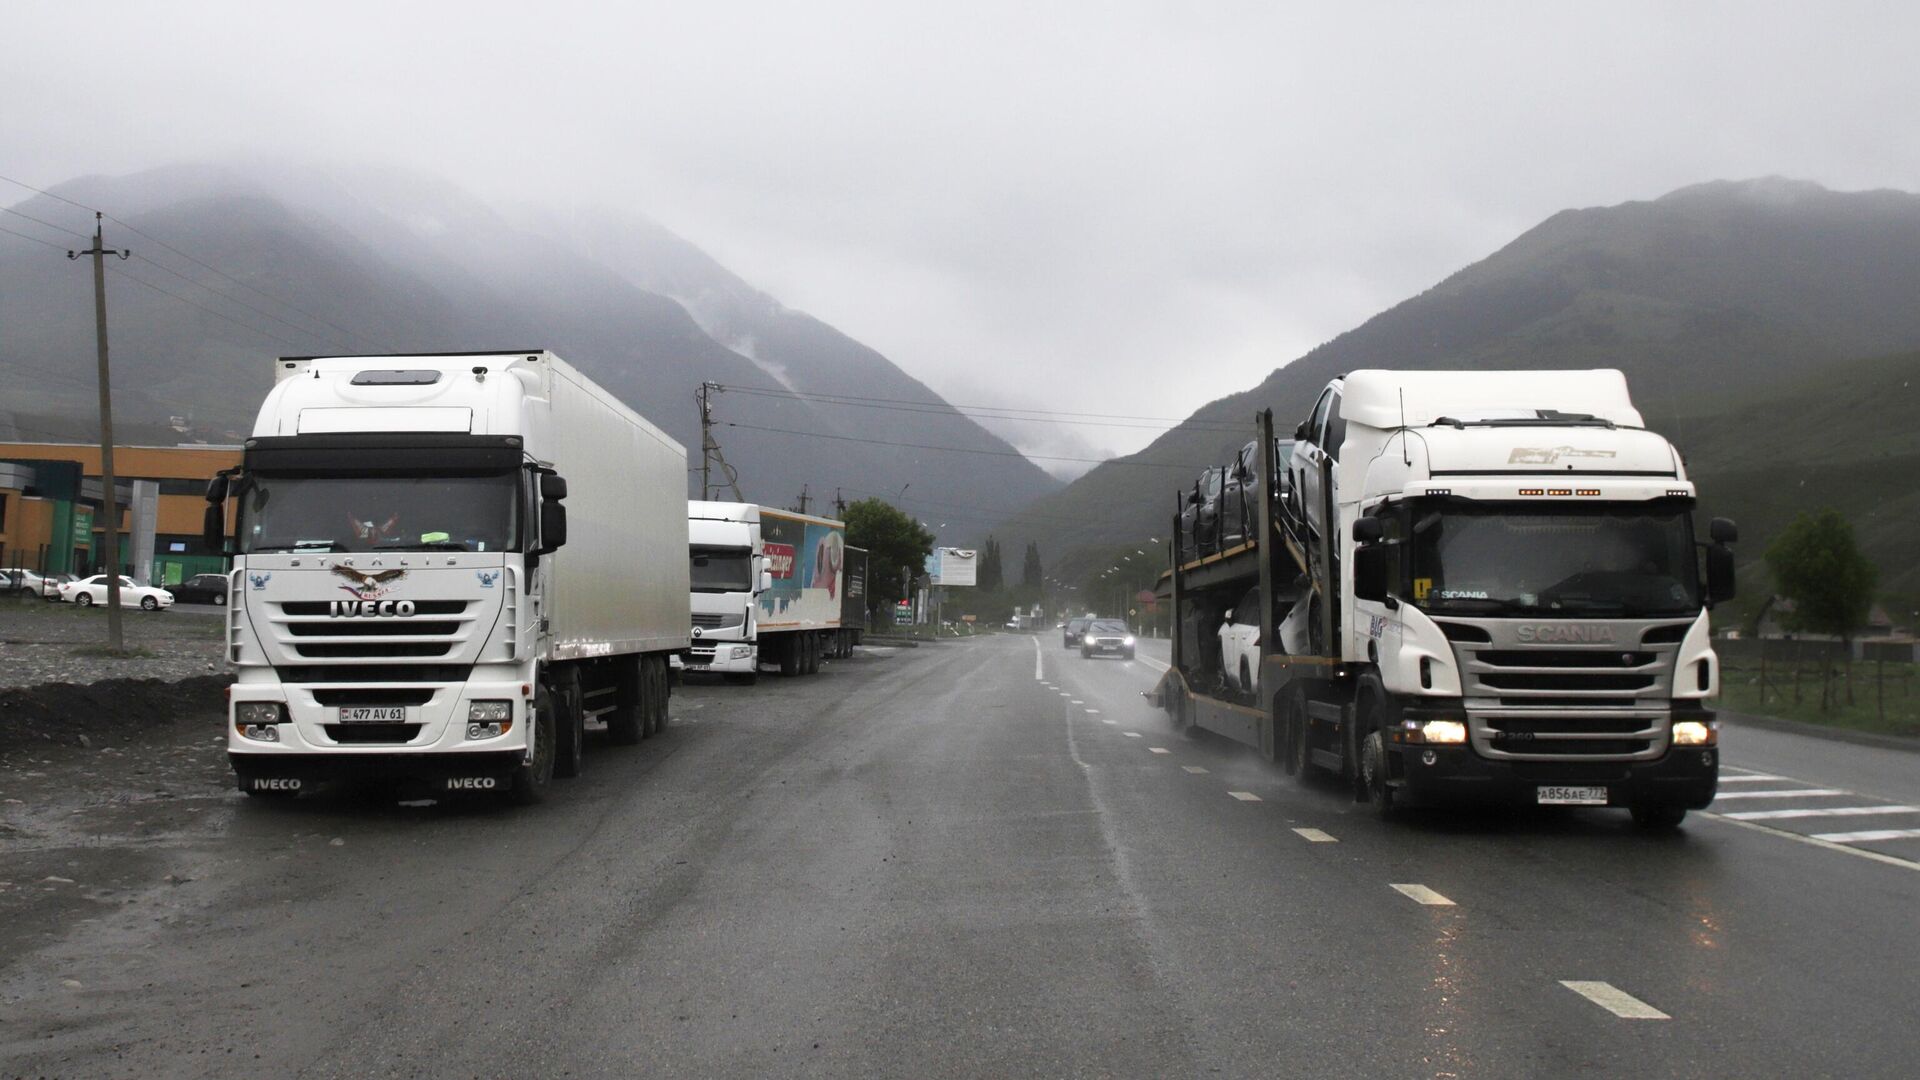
(111, 712)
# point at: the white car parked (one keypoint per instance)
(93, 590)
(1240, 643)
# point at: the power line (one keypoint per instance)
(38, 221)
(35, 239)
(351, 336)
(268, 334)
(962, 449)
(307, 331)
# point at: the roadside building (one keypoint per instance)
(51, 516)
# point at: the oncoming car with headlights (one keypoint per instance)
(1106, 637)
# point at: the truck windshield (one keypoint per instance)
(379, 513)
(722, 569)
(1576, 561)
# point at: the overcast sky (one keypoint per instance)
(1093, 207)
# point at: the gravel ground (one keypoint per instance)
(53, 643)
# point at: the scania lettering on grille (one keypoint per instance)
(369, 609)
(1566, 634)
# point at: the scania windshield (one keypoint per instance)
(379, 513)
(1626, 560)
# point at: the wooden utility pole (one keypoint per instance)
(804, 498)
(109, 494)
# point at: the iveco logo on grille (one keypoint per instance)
(1566, 634)
(356, 609)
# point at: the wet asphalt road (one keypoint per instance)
(987, 858)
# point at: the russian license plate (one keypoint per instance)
(374, 714)
(1572, 796)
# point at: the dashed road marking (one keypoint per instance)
(1318, 837)
(1750, 778)
(1867, 836)
(1038, 656)
(1781, 793)
(1194, 769)
(1104, 720)
(1159, 750)
(1077, 701)
(1131, 734)
(1093, 712)
(1614, 1000)
(1244, 796)
(1420, 894)
(1821, 811)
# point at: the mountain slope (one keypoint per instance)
(395, 262)
(1750, 284)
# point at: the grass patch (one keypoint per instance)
(1886, 701)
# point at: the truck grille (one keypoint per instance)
(706, 621)
(1527, 701)
(373, 695)
(372, 734)
(307, 630)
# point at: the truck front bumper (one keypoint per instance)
(477, 772)
(1687, 776)
(720, 657)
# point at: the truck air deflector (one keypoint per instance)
(383, 452)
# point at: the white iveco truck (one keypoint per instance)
(409, 599)
(768, 587)
(1492, 591)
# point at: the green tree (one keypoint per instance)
(989, 577)
(1031, 572)
(1816, 564)
(897, 548)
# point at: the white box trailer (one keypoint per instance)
(411, 598)
(768, 587)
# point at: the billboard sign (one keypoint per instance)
(955, 566)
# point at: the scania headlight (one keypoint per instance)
(1692, 733)
(1444, 731)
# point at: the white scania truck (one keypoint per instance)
(1492, 591)
(409, 599)
(768, 587)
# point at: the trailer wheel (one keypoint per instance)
(532, 778)
(789, 655)
(569, 723)
(623, 723)
(810, 653)
(1658, 817)
(662, 695)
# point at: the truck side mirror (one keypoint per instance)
(553, 487)
(1367, 530)
(1719, 573)
(213, 528)
(766, 578)
(1370, 571)
(1300, 432)
(1723, 531)
(217, 488)
(553, 524)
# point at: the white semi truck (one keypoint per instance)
(769, 586)
(1492, 590)
(409, 599)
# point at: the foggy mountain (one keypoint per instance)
(1759, 285)
(387, 261)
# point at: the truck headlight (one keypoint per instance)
(489, 719)
(1692, 733)
(741, 652)
(256, 713)
(1444, 731)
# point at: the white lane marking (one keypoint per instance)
(1868, 836)
(1615, 1000)
(1077, 701)
(1420, 894)
(1159, 750)
(1038, 673)
(1104, 720)
(1150, 661)
(1317, 837)
(1782, 793)
(1822, 811)
(1244, 796)
(1194, 769)
(1093, 712)
(1736, 768)
(1802, 838)
(1131, 734)
(1750, 778)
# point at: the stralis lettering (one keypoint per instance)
(1550, 634)
(399, 609)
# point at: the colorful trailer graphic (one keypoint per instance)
(807, 558)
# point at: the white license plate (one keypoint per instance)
(374, 714)
(1572, 796)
